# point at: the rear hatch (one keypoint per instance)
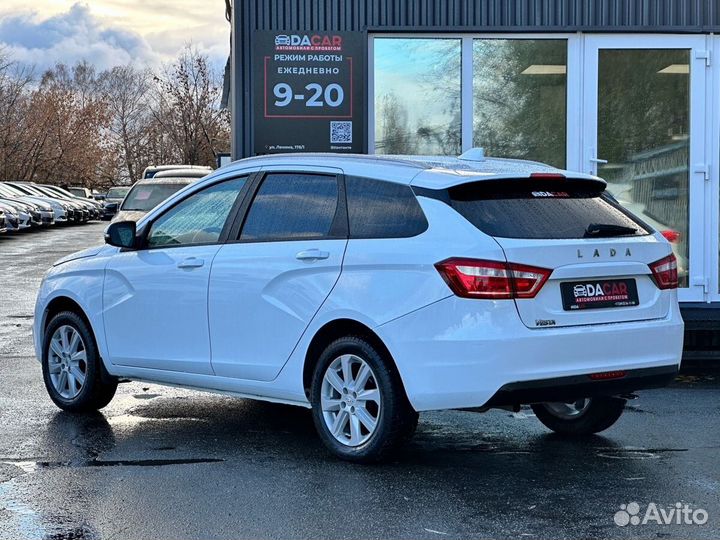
(598, 255)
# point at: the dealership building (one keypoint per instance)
(626, 89)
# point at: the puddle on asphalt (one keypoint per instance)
(636, 453)
(26, 522)
(134, 419)
(34, 466)
(22, 517)
(81, 532)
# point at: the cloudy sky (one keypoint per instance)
(111, 32)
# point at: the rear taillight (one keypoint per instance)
(472, 278)
(671, 236)
(665, 272)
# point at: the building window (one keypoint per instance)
(644, 138)
(417, 96)
(519, 98)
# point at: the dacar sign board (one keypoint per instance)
(308, 92)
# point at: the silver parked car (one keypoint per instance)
(146, 194)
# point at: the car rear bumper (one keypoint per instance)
(579, 386)
(461, 353)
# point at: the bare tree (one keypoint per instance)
(77, 126)
(187, 106)
(16, 129)
(126, 91)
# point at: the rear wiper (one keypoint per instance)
(607, 230)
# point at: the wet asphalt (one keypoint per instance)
(168, 463)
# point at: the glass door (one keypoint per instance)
(644, 132)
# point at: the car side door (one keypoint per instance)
(155, 297)
(267, 284)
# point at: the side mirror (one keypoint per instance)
(121, 234)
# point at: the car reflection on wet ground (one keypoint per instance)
(168, 463)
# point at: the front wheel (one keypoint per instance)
(359, 405)
(581, 417)
(72, 368)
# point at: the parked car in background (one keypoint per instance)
(369, 289)
(152, 170)
(93, 206)
(52, 210)
(23, 218)
(3, 226)
(148, 193)
(12, 219)
(79, 191)
(40, 213)
(75, 212)
(113, 199)
(84, 209)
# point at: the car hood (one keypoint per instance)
(84, 254)
(129, 215)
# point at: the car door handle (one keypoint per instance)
(191, 262)
(312, 255)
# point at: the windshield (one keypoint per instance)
(117, 192)
(145, 197)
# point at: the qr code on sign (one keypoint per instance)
(340, 132)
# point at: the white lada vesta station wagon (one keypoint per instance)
(370, 289)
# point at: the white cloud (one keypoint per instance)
(111, 32)
(69, 37)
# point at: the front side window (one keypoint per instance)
(292, 206)
(199, 219)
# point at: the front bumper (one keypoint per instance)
(460, 353)
(12, 223)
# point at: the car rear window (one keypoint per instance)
(145, 197)
(116, 193)
(543, 211)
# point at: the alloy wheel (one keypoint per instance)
(350, 400)
(569, 410)
(67, 362)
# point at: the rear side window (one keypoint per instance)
(382, 209)
(292, 206)
(543, 211)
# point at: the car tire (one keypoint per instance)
(333, 404)
(72, 369)
(596, 415)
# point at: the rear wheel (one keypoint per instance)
(72, 368)
(582, 417)
(359, 405)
